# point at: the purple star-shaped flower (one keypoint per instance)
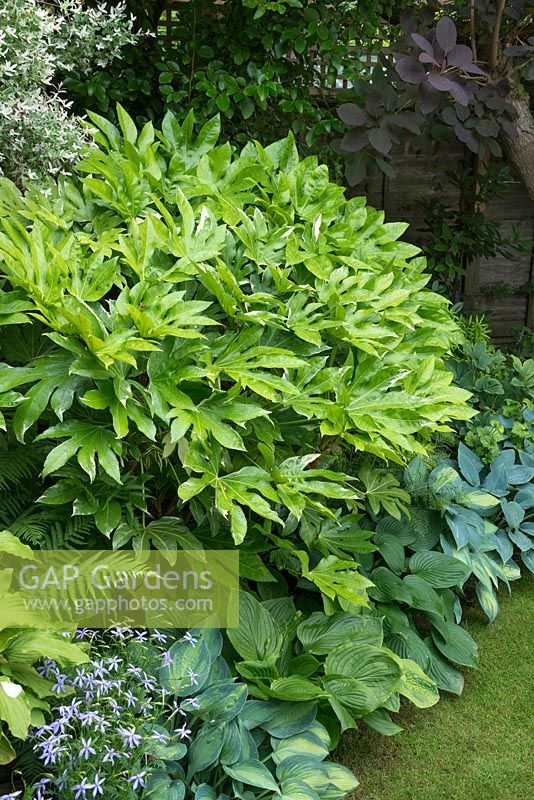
(137, 781)
(86, 750)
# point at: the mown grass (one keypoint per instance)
(479, 746)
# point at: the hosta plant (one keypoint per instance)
(25, 639)
(197, 333)
(158, 716)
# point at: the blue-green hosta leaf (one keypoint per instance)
(290, 719)
(514, 514)
(520, 474)
(496, 481)
(438, 569)
(307, 743)
(470, 465)
(522, 541)
(257, 638)
(381, 722)
(189, 669)
(370, 665)
(487, 597)
(416, 476)
(320, 633)
(221, 703)
(454, 642)
(232, 749)
(160, 786)
(504, 546)
(528, 559)
(445, 482)
(205, 748)
(525, 496)
(447, 677)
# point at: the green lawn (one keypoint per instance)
(479, 746)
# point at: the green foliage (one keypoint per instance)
(207, 324)
(23, 692)
(39, 139)
(255, 62)
(458, 235)
(211, 741)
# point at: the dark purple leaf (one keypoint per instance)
(466, 137)
(381, 140)
(354, 140)
(352, 114)
(461, 93)
(496, 103)
(460, 56)
(407, 120)
(355, 170)
(487, 128)
(439, 81)
(514, 52)
(408, 21)
(509, 128)
(462, 112)
(446, 34)
(375, 104)
(449, 116)
(386, 167)
(423, 43)
(495, 147)
(473, 69)
(410, 70)
(444, 84)
(425, 58)
(428, 98)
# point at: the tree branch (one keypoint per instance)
(473, 32)
(496, 35)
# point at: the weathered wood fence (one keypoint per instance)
(500, 287)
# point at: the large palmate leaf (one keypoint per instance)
(88, 442)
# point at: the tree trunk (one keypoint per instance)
(520, 149)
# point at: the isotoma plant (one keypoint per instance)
(157, 716)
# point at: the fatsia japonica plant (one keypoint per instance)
(196, 332)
